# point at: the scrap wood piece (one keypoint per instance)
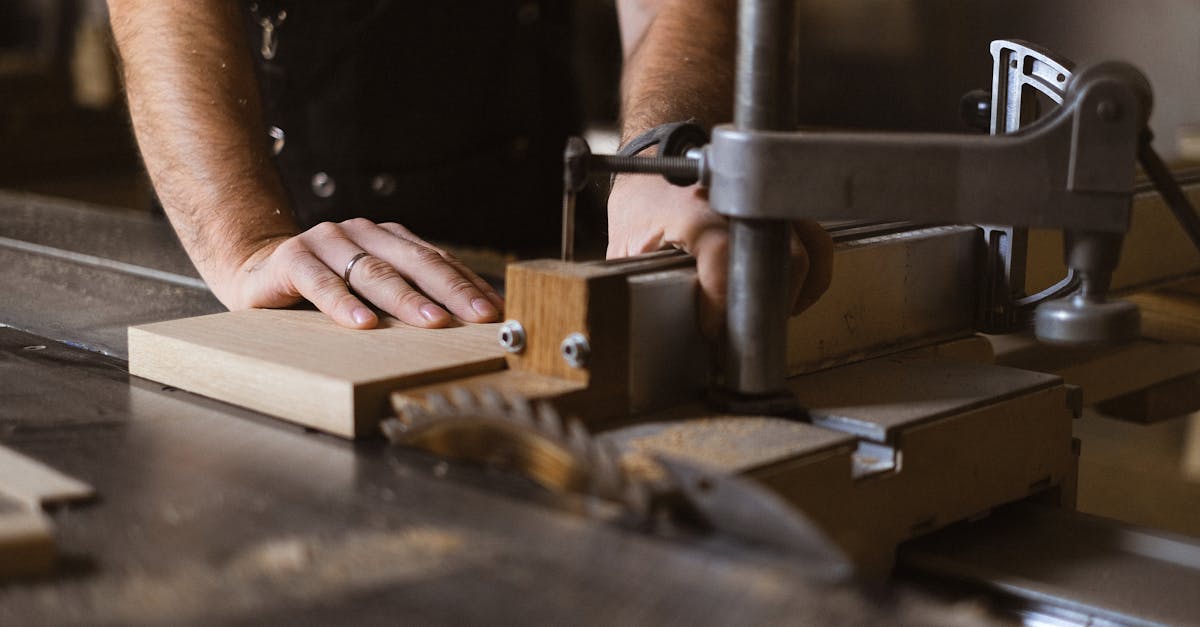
(37, 485)
(26, 534)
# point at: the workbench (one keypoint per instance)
(211, 514)
(207, 513)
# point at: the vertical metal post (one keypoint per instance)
(759, 259)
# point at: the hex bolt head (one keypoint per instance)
(512, 336)
(575, 350)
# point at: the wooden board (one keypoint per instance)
(300, 366)
(26, 534)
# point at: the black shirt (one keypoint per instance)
(448, 117)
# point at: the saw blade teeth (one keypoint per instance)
(411, 413)
(606, 469)
(394, 429)
(492, 401)
(521, 411)
(636, 498)
(549, 422)
(463, 401)
(437, 404)
(578, 439)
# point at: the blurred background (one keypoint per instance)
(878, 64)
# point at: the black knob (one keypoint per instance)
(975, 109)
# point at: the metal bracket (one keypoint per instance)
(1017, 67)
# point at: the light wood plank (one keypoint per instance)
(300, 366)
(36, 484)
(26, 534)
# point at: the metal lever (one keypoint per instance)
(579, 163)
(1086, 317)
(1017, 65)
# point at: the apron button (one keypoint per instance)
(277, 139)
(323, 185)
(383, 185)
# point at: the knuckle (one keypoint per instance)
(427, 256)
(291, 249)
(461, 287)
(308, 269)
(374, 269)
(326, 285)
(409, 299)
(357, 223)
(325, 229)
(399, 230)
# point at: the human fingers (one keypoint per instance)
(818, 246)
(710, 247)
(488, 291)
(639, 210)
(427, 269)
(306, 275)
(371, 277)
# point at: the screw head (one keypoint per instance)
(575, 350)
(512, 336)
(383, 185)
(323, 185)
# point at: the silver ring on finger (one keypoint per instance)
(350, 266)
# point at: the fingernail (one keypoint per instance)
(483, 307)
(432, 312)
(362, 315)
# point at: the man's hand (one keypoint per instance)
(646, 213)
(401, 274)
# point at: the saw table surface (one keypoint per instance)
(210, 514)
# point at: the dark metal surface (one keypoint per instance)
(1070, 566)
(83, 274)
(211, 514)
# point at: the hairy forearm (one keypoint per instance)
(679, 62)
(198, 120)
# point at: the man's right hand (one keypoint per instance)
(401, 274)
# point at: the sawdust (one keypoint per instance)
(280, 571)
(724, 443)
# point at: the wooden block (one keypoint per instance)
(300, 366)
(637, 316)
(1103, 373)
(26, 534)
(26, 541)
(37, 485)
(1170, 316)
(889, 293)
(1166, 401)
(727, 444)
(963, 437)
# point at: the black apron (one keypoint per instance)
(448, 117)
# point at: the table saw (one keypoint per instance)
(568, 465)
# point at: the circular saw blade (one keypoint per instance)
(512, 433)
